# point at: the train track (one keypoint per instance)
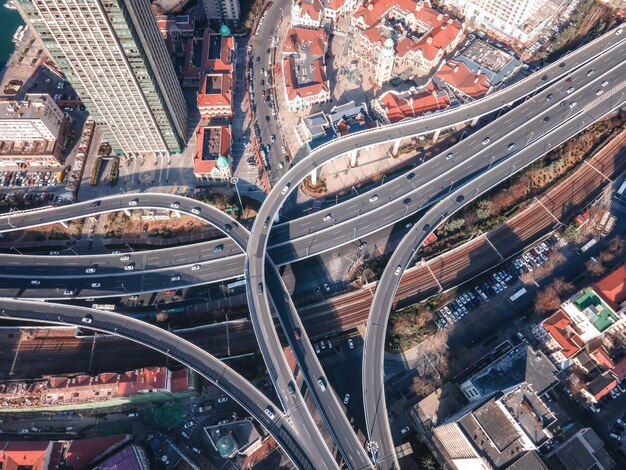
(63, 353)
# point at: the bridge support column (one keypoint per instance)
(396, 146)
(436, 135)
(474, 122)
(353, 156)
(313, 177)
(64, 223)
(127, 212)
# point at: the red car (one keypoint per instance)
(296, 334)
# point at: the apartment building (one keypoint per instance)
(225, 10)
(112, 53)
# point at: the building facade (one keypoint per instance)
(112, 53)
(30, 131)
(225, 10)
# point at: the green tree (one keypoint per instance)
(484, 210)
(453, 225)
(428, 463)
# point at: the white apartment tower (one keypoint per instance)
(225, 10)
(503, 16)
(114, 57)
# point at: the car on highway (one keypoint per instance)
(218, 249)
(195, 210)
(68, 292)
(322, 384)
(175, 278)
(351, 343)
(291, 388)
(222, 399)
(398, 270)
(326, 218)
(460, 198)
(426, 228)
(188, 425)
(94, 204)
(512, 146)
(407, 201)
(317, 348)
(590, 73)
(54, 253)
(273, 138)
(87, 318)
(175, 205)
(259, 288)
(266, 222)
(90, 270)
(129, 267)
(546, 119)
(228, 227)
(124, 257)
(95, 285)
(346, 399)
(599, 92)
(449, 156)
(549, 97)
(285, 189)
(134, 202)
(267, 118)
(570, 90)
(270, 414)
(409, 225)
(296, 334)
(326, 287)
(374, 198)
(605, 83)
(486, 141)
(573, 104)
(405, 429)
(222, 422)
(281, 165)
(410, 176)
(195, 267)
(35, 282)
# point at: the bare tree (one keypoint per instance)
(594, 268)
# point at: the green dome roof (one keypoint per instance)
(226, 445)
(224, 30)
(388, 48)
(222, 162)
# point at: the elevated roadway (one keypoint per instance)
(300, 448)
(590, 107)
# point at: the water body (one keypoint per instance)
(10, 20)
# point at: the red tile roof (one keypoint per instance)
(312, 87)
(602, 358)
(334, 4)
(458, 76)
(312, 8)
(179, 380)
(82, 452)
(612, 287)
(205, 160)
(19, 455)
(297, 37)
(557, 325)
(216, 91)
(398, 108)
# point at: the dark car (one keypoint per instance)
(410, 176)
(95, 204)
(259, 288)
(426, 227)
(267, 118)
(407, 201)
(296, 334)
(460, 198)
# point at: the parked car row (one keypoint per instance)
(494, 284)
(27, 179)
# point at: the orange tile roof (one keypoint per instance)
(398, 108)
(334, 4)
(202, 163)
(311, 88)
(216, 91)
(619, 370)
(223, 63)
(458, 76)
(317, 38)
(602, 358)
(18, 455)
(179, 380)
(612, 287)
(312, 8)
(557, 325)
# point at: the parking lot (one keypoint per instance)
(495, 284)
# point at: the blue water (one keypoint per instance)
(10, 20)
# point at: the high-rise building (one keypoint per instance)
(115, 59)
(225, 10)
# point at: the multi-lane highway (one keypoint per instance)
(590, 107)
(466, 171)
(305, 450)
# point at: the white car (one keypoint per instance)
(134, 202)
(175, 278)
(90, 270)
(486, 141)
(398, 270)
(87, 319)
(346, 399)
(124, 258)
(222, 399)
(35, 283)
(404, 430)
(175, 205)
(326, 218)
(95, 284)
(270, 414)
(317, 348)
(351, 343)
(195, 210)
(285, 189)
(322, 385)
(223, 422)
(195, 267)
(374, 198)
(129, 267)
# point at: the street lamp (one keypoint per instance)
(18, 251)
(234, 180)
